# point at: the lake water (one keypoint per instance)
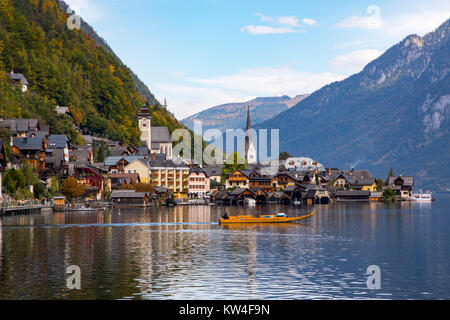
(181, 253)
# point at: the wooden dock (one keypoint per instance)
(25, 209)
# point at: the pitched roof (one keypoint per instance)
(19, 78)
(28, 143)
(57, 141)
(112, 161)
(407, 180)
(213, 170)
(160, 135)
(362, 181)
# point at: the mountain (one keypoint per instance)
(394, 113)
(139, 85)
(234, 115)
(69, 68)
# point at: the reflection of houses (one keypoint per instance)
(3, 164)
(403, 186)
(352, 196)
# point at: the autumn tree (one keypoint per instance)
(71, 188)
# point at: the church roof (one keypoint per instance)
(160, 135)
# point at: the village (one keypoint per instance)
(104, 171)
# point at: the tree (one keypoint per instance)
(389, 195)
(284, 155)
(233, 163)
(380, 184)
(39, 191)
(72, 189)
(391, 174)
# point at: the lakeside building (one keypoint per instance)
(402, 186)
(198, 183)
(162, 173)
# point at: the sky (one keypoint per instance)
(201, 53)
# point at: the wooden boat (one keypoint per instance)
(277, 218)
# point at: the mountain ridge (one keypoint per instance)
(395, 112)
(234, 115)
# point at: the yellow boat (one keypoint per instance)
(269, 218)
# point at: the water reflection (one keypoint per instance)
(151, 254)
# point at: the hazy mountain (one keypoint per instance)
(395, 113)
(234, 115)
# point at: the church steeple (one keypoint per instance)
(250, 150)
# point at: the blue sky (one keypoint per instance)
(201, 53)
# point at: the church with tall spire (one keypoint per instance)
(250, 149)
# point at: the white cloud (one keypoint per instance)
(260, 30)
(276, 25)
(354, 61)
(372, 22)
(288, 21)
(310, 22)
(197, 94)
(417, 20)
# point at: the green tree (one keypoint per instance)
(234, 162)
(389, 195)
(380, 184)
(391, 174)
(284, 155)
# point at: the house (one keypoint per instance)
(214, 172)
(19, 80)
(116, 164)
(283, 179)
(81, 154)
(341, 181)
(161, 172)
(57, 152)
(115, 180)
(198, 183)
(62, 110)
(302, 164)
(317, 194)
(261, 182)
(20, 127)
(352, 196)
(30, 150)
(363, 184)
(403, 186)
(129, 198)
(239, 179)
(92, 180)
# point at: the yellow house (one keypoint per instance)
(341, 182)
(368, 184)
(141, 167)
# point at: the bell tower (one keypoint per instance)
(250, 150)
(145, 126)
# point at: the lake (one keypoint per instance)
(182, 253)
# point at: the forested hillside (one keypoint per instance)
(67, 68)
